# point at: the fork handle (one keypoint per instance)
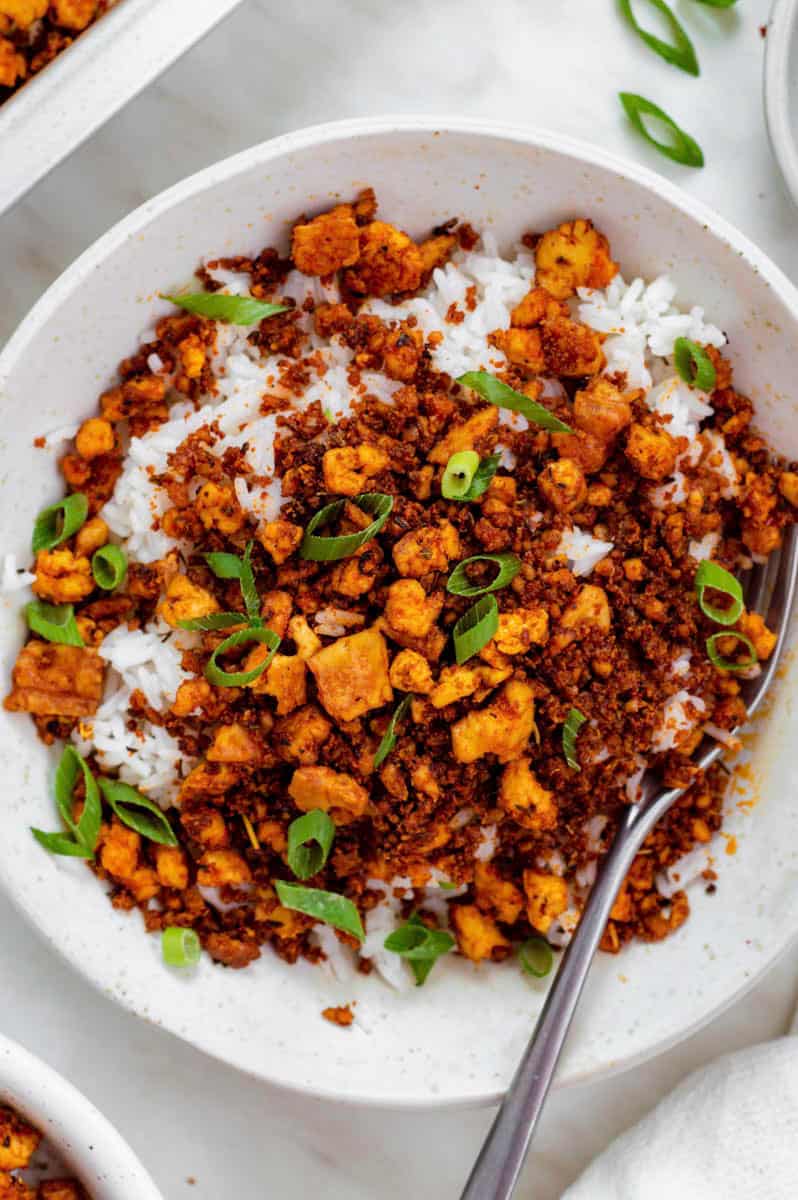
(502, 1156)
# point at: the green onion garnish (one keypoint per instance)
(329, 907)
(682, 148)
(420, 946)
(458, 475)
(318, 548)
(230, 566)
(718, 3)
(222, 620)
(536, 957)
(482, 476)
(680, 52)
(238, 310)
(58, 522)
(221, 678)
(108, 566)
(389, 737)
(570, 731)
(137, 812)
(475, 628)
(310, 838)
(53, 622)
(694, 364)
(81, 840)
(180, 947)
(712, 575)
(495, 392)
(727, 664)
(508, 567)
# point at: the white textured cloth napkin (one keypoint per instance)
(728, 1132)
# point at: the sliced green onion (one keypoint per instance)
(138, 812)
(87, 829)
(318, 548)
(230, 566)
(570, 731)
(109, 566)
(694, 364)
(81, 840)
(61, 843)
(329, 907)
(222, 620)
(221, 678)
(483, 475)
(495, 392)
(310, 838)
(683, 149)
(389, 737)
(224, 566)
(458, 475)
(420, 946)
(53, 622)
(238, 310)
(509, 565)
(536, 957)
(728, 664)
(718, 3)
(712, 575)
(180, 947)
(58, 522)
(680, 52)
(475, 628)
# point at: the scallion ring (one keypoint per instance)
(460, 471)
(420, 946)
(238, 310)
(137, 811)
(310, 839)
(535, 957)
(682, 148)
(109, 566)
(180, 947)
(680, 52)
(727, 664)
(214, 621)
(713, 575)
(389, 737)
(475, 628)
(221, 678)
(570, 731)
(694, 364)
(508, 567)
(53, 622)
(318, 548)
(495, 392)
(329, 907)
(58, 522)
(81, 841)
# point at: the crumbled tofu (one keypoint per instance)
(502, 728)
(520, 629)
(348, 469)
(352, 675)
(547, 898)
(478, 936)
(185, 601)
(525, 799)
(334, 792)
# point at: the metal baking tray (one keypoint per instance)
(91, 80)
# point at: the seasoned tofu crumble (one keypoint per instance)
(34, 32)
(285, 666)
(20, 1146)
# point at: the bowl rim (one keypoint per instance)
(781, 31)
(84, 1137)
(318, 136)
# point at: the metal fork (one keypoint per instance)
(769, 589)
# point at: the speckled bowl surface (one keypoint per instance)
(781, 89)
(458, 1039)
(74, 1132)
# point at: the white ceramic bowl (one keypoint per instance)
(457, 1039)
(781, 89)
(88, 1145)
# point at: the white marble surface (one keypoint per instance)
(270, 68)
